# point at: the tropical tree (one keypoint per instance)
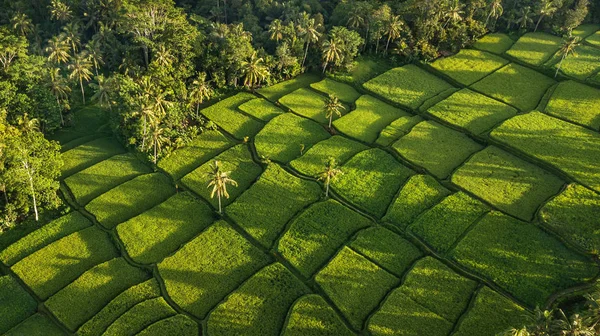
(60, 89)
(58, 49)
(329, 174)
(333, 106)
(71, 31)
(102, 90)
(80, 68)
(93, 50)
(21, 24)
(496, 10)
(276, 29)
(218, 181)
(331, 52)
(568, 48)
(309, 28)
(524, 19)
(158, 138)
(12, 47)
(200, 91)
(163, 56)
(393, 29)
(60, 11)
(254, 70)
(454, 12)
(546, 8)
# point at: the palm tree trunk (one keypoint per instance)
(325, 66)
(538, 23)
(62, 121)
(145, 47)
(26, 165)
(155, 154)
(96, 68)
(488, 19)
(327, 187)
(559, 65)
(387, 45)
(82, 92)
(330, 119)
(5, 193)
(305, 52)
(144, 134)
(197, 109)
(219, 197)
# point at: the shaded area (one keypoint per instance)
(274, 92)
(535, 48)
(89, 154)
(260, 108)
(226, 115)
(313, 162)
(344, 92)
(139, 317)
(15, 303)
(36, 325)
(178, 325)
(312, 316)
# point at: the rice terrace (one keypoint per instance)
(451, 197)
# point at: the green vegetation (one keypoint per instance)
(576, 103)
(260, 108)
(574, 150)
(312, 316)
(496, 43)
(130, 199)
(225, 114)
(368, 119)
(286, 136)
(271, 202)
(355, 285)
(585, 30)
(139, 317)
(89, 154)
(522, 259)
(160, 231)
(397, 129)
(37, 324)
(535, 48)
(469, 66)
(178, 325)
(275, 92)
(594, 39)
(306, 103)
(87, 121)
(583, 64)
(345, 92)
(516, 85)
(15, 303)
(507, 182)
(472, 111)
(338, 147)
(315, 235)
(436, 148)
(409, 86)
(363, 69)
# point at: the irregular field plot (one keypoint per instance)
(368, 119)
(436, 148)
(408, 86)
(15, 303)
(584, 64)
(344, 92)
(226, 115)
(36, 325)
(139, 317)
(397, 129)
(309, 104)
(576, 103)
(585, 30)
(274, 92)
(313, 162)
(573, 149)
(89, 154)
(594, 39)
(522, 259)
(507, 182)
(260, 108)
(535, 48)
(469, 66)
(312, 316)
(86, 121)
(179, 325)
(496, 43)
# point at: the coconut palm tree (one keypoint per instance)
(93, 49)
(254, 70)
(276, 29)
(516, 332)
(80, 68)
(71, 31)
(200, 90)
(158, 138)
(59, 87)
(333, 106)
(525, 18)
(58, 49)
(21, 24)
(332, 52)
(102, 90)
(454, 12)
(568, 48)
(546, 8)
(60, 11)
(393, 29)
(163, 56)
(218, 181)
(329, 174)
(496, 10)
(310, 30)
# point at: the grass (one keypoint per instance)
(38, 324)
(139, 317)
(574, 215)
(420, 193)
(535, 48)
(397, 129)
(15, 303)
(363, 69)
(56, 265)
(522, 259)
(409, 86)
(312, 316)
(86, 121)
(436, 148)
(594, 39)
(260, 108)
(585, 30)
(271, 202)
(309, 104)
(576, 103)
(313, 162)
(118, 306)
(101, 177)
(160, 231)
(203, 148)
(438, 288)
(227, 116)
(573, 149)
(47, 234)
(275, 92)
(316, 234)
(496, 43)
(386, 249)
(83, 298)
(344, 92)
(468, 65)
(287, 136)
(368, 119)
(89, 154)
(130, 199)
(581, 66)
(471, 111)
(259, 306)
(355, 285)
(202, 272)
(491, 314)
(444, 224)
(371, 179)
(175, 325)
(515, 85)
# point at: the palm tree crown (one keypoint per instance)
(333, 106)
(80, 68)
(254, 70)
(57, 49)
(218, 181)
(329, 174)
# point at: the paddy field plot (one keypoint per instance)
(594, 39)
(468, 65)
(496, 43)
(275, 92)
(88, 154)
(227, 116)
(585, 30)
(310, 104)
(344, 92)
(16, 304)
(260, 108)
(397, 129)
(584, 64)
(312, 315)
(313, 162)
(577, 103)
(535, 48)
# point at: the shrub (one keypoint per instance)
(271, 202)
(312, 316)
(397, 129)
(371, 179)
(574, 215)
(37, 324)
(585, 30)
(469, 66)
(313, 162)
(259, 307)
(178, 325)
(309, 104)
(101, 177)
(275, 92)
(472, 111)
(261, 108)
(522, 259)
(286, 135)
(576, 103)
(584, 64)
(495, 43)
(204, 147)
(15, 303)
(570, 148)
(47, 234)
(535, 48)
(436, 148)
(88, 154)
(408, 86)
(54, 266)
(516, 85)
(226, 115)
(160, 231)
(507, 182)
(344, 92)
(420, 193)
(130, 199)
(83, 298)
(368, 119)
(200, 274)
(444, 224)
(594, 39)
(139, 317)
(355, 285)
(317, 233)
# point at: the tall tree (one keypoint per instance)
(574, 17)
(58, 49)
(60, 89)
(393, 29)
(546, 8)
(330, 173)
(219, 180)
(200, 91)
(102, 91)
(568, 48)
(158, 138)
(95, 53)
(21, 24)
(525, 19)
(276, 29)
(80, 68)
(309, 28)
(11, 48)
(331, 52)
(60, 11)
(254, 71)
(495, 10)
(72, 35)
(332, 107)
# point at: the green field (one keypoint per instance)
(469, 66)
(535, 48)
(577, 103)
(495, 43)
(227, 116)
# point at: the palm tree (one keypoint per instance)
(496, 10)
(254, 71)
(80, 68)
(219, 180)
(71, 31)
(516, 332)
(102, 89)
(276, 29)
(329, 174)
(333, 106)
(331, 52)
(163, 56)
(525, 18)
(568, 48)
(309, 28)
(21, 24)
(546, 8)
(60, 89)
(57, 49)
(60, 11)
(201, 90)
(356, 18)
(455, 12)
(158, 138)
(93, 49)
(393, 29)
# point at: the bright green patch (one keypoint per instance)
(585, 30)
(594, 39)
(312, 316)
(178, 325)
(429, 103)
(261, 108)
(397, 129)
(535, 48)
(139, 317)
(313, 162)
(226, 115)
(584, 64)
(89, 154)
(15, 303)
(36, 325)
(363, 69)
(469, 66)
(577, 103)
(495, 43)
(309, 104)
(344, 92)
(274, 92)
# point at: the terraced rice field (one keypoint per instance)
(470, 194)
